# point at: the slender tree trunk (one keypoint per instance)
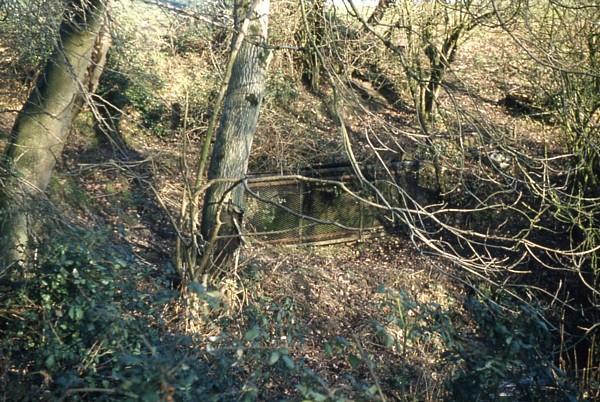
(223, 205)
(99, 53)
(39, 133)
(439, 61)
(105, 124)
(311, 37)
(378, 13)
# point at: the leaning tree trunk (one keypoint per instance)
(40, 131)
(224, 203)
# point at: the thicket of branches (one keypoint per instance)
(505, 205)
(522, 216)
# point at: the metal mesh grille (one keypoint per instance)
(267, 220)
(281, 213)
(293, 211)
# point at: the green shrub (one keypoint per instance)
(77, 324)
(31, 28)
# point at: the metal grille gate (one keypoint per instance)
(279, 209)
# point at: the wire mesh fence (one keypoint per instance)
(289, 210)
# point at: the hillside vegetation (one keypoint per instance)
(472, 129)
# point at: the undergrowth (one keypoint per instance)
(94, 324)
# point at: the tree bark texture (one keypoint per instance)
(235, 133)
(39, 134)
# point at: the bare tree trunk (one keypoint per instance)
(378, 13)
(108, 107)
(439, 62)
(39, 133)
(223, 205)
(310, 38)
(99, 53)
(92, 79)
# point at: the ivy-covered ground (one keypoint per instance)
(358, 322)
